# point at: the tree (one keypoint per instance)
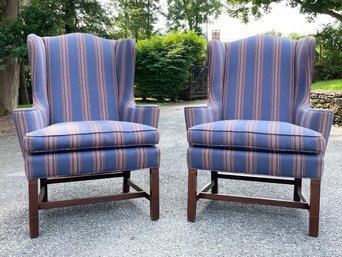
(85, 16)
(23, 93)
(273, 33)
(245, 9)
(191, 14)
(45, 18)
(329, 52)
(136, 18)
(10, 66)
(67, 16)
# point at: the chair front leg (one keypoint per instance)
(154, 193)
(315, 190)
(33, 208)
(127, 175)
(192, 194)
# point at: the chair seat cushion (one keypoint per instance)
(256, 135)
(90, 135)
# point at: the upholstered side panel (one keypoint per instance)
(82, 82)
(78, 163)
(259, 79)
(257, 163)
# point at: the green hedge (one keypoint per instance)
(163, 64)
(328, 63)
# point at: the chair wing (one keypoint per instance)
(129, 111)
(319, 120)
(213, 111)
(29, 119)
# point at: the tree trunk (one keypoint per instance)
(9, 77)
(9, 85)
(70, 16)
(11, 9)
(23, 94)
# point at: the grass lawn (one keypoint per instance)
(24, 105)
(327, 85)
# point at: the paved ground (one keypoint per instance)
(125, 229)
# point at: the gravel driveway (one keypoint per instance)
(125, 229)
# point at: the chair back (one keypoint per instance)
(262, 77)
(87, 77)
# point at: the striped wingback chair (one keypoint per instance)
(84, 123)
(258, 122)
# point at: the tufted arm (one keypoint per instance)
(148, 115)
(319, 120)
(27, 120)
(200, 114)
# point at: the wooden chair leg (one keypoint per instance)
(33, 208)
(154, 193)
(315, 189)
(192, 194)
(44, 186)
(214, 179)
(127, 175)
(297, 185)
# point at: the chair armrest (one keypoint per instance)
(143, 114)
(27, 120)
(319, 120)
(200, 114)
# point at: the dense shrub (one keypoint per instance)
(163, 64)
(329, 53)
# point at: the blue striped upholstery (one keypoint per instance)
(82, 88)
(89, 135)
(82, 82)
(257, 162)
(258, 118)
(259, 79)
(258, 135)
(78, 163)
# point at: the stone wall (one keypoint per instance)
(328, 100)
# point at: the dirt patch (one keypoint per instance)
(6, 125)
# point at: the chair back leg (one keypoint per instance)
(297, 187)
(33, 208)
(44, 187)
(315, 191)
(126, 177)
(214, 179)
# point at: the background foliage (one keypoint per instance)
(191, 14)
(246, 9)
(329, 53)
(136, 18)
(163, 64)
(328, 61)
